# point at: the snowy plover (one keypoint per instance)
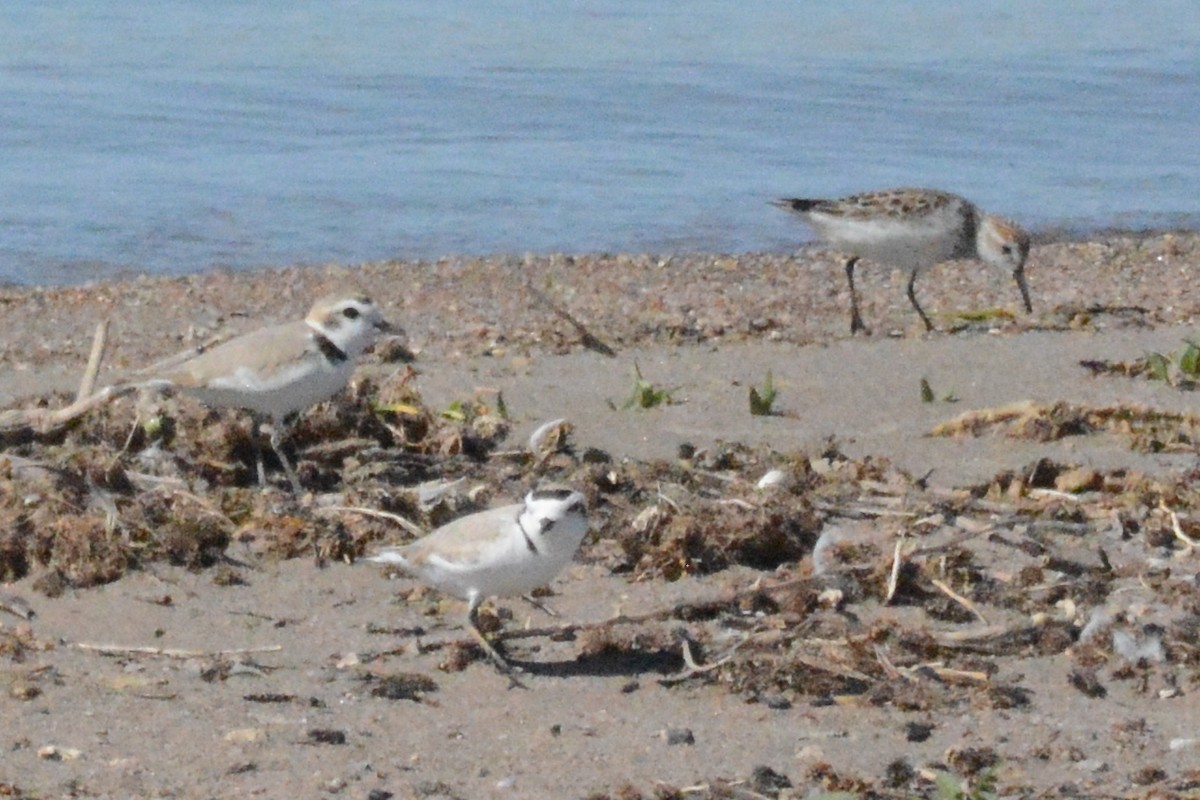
(500, 552)
(281, 370)
(913, 229)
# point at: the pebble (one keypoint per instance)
(774, 479)
(777, 702)
(769, 782)
(676, 736)
(22, 690)
(52, 752)
(917, 731)
(1079, 479)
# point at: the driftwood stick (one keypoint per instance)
(1188, 541)
(16, 605)
(962, 601)
(692, 669)
(99, 342)
(171, 652)
(894, 575)
(42, 421)
(408, 525)
(588, 340)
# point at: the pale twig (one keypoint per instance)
(146, 481)
(409, 526)
(829, 667)
(735, 790)
(692, 669)
(962, 601)
(15, 605)
(738, 502)
(588, 340)
(1188, 541)
(133, 429)
(862, 511)
(88, 384)
(538, 604)
(894, 577)
(886, 664)
(41, 421)
(1055, 494)
(666, 499)
(172, 652)
(950, 675)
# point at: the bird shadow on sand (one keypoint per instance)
(605, 664)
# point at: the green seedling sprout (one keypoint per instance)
(644, 395)
(762, 402)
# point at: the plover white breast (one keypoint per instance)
(913, 229)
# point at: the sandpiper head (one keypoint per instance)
(1002, 244)
(353, 322)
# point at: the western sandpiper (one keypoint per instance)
(914, 229)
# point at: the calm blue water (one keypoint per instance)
(168, 137)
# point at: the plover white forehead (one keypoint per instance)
(281, 370)
(913, 229)
(501, 552)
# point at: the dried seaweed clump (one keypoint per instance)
(671, 542)
(1148, 429)
(131, 482)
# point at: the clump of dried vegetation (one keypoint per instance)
(855, 584)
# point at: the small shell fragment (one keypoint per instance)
(831, 598)
(647, 519)
(54, 753)
(549, 436)
(774, 479)
(430, 493)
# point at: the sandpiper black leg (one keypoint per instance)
(856, 323)
(912, 297)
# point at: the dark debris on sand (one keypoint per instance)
(867, 588)
(874, 589)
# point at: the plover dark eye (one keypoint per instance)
(547, 524)
(351, 313)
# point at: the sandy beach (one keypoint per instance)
(991, 585)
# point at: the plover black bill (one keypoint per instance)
(279, 371)
(913, 229)
(501, 552)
